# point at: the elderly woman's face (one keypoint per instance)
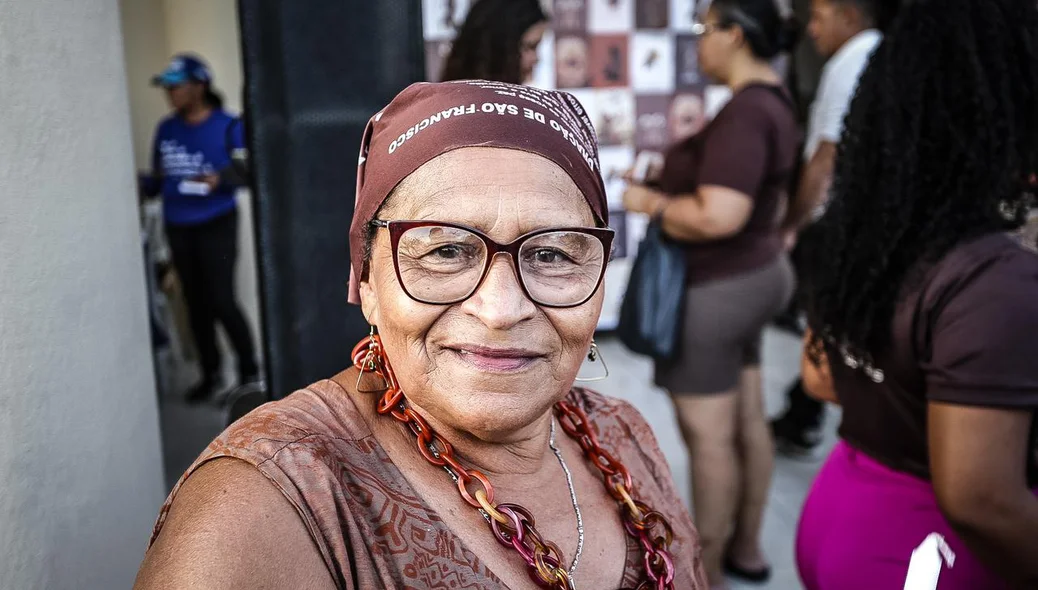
(495, 362)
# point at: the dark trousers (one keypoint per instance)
(204, 256)
(804, 411)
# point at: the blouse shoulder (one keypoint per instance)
(611, 409)
(322, 410)
(621, 425)
(624, 433)
(997, 265)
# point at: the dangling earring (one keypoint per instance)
(1008, 211)
(595, 356)
(370, 362)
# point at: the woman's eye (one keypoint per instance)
(550, 256)
(451, 252)
(448, 252)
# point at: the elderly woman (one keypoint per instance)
(457, 453)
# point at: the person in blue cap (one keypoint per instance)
(192, 170)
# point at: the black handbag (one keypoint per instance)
(652, 308)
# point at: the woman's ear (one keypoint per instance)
(369, 302)
(738, 36)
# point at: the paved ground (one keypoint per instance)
(187, 430)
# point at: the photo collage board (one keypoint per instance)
(633, 65)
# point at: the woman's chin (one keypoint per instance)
(494, 415)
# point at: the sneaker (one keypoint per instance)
(795, 441)
(799, 430)
(791, 323)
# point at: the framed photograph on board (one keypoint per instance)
(608, 61)
(572, 62)
(652, 62)
(610, 16)
(651, 14)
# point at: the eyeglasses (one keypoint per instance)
(443, 263)
(703, 29)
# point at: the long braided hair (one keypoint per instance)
(937, 149)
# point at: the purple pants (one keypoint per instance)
(861, 522)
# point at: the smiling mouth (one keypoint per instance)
(496, 360)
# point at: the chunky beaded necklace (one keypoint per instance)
(512, 525)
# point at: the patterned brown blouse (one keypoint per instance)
(374, 531)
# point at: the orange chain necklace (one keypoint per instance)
(511, 524)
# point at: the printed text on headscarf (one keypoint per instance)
(502, 109)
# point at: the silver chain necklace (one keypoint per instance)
(572, 496)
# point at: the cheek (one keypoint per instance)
(703, 55)
(576, 328)
(401, 321)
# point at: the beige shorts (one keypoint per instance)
(723, 327)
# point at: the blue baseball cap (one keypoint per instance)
(183, 68)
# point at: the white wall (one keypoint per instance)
(80, 465)
(147, 53)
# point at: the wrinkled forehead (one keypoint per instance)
(484, 186)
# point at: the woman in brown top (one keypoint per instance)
(924, 311)
(457, 453)
(722, 195)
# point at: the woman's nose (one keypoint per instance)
(499, 302)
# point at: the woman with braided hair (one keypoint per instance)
(923, 310)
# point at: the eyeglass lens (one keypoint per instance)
(441, 264)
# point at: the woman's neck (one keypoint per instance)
(751, 71)
(197, 115)
(516, 456)
(519, 459)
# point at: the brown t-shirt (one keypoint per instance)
(374, 530)
(968, 334)
(750, 146)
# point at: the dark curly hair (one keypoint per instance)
(488, 44)
(940, 140)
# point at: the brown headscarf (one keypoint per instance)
(427, 120)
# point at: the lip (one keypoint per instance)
(496, 360)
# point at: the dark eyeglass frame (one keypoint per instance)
(397, 228)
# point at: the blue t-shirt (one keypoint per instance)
(184, 152)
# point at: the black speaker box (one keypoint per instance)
(315, 71)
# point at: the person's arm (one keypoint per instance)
(982, 391)
(228, 177)
(977, 458)
(711, 213)
(817, 380)
(151, 184)
(814, 187)
(234, 176)
(231, 529)
(735, 158)
(836, 91)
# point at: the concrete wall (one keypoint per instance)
(147, 53)
(80, 464)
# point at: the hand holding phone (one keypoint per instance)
(647, 168)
